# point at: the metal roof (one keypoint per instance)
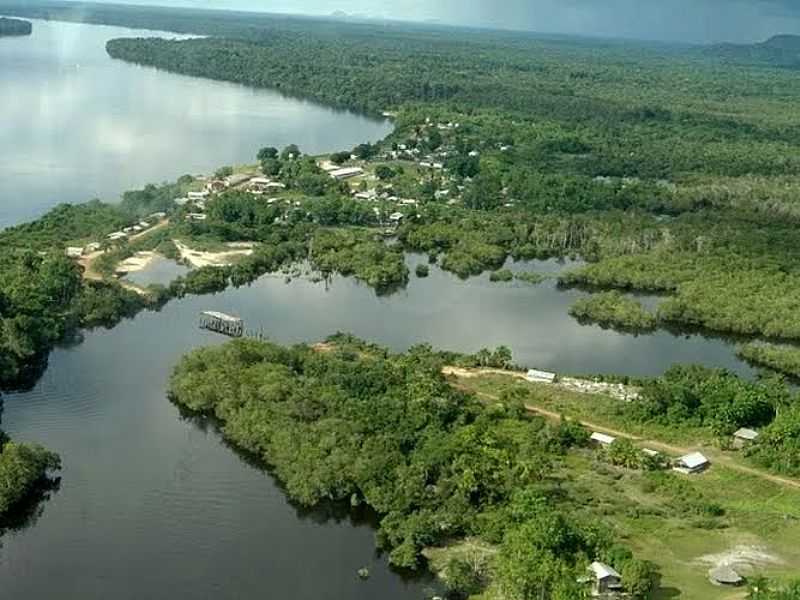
(746, 434)
(541, 375)
(220, 316)
(603, 438)
(725, 574)
(603, 571)
(694, 460)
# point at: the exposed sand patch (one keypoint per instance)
(137, 262)
(197, 258)
(744, 559)
(582, 386)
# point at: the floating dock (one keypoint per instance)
(221, 323)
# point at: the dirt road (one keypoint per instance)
(91, 274)
(713, 454)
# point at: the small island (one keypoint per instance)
(14, 27)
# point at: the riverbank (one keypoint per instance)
(731, 514)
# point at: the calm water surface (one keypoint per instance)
(151, 504)
(154, 506)
(78, 125)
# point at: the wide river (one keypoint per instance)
(153, 506)
(77, 125)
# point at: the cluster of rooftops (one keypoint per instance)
(692, 463)
(116, 236)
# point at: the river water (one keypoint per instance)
(154, 506)
(78, 125)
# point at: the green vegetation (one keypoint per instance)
(783, 359)
(760, 588)
(422, 270)
(11, 27)
(350, 252)
(667, 518)
(504, 276)
(358, 424)
(702, 175)
(530, 277)
(712, 398)
(22, 468)
(614, 310)
(778, 446)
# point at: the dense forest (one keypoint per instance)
(9, 27)
(564, 151)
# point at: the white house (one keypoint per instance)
(117, 235)
(743, 437)
(605, 580)
(193, 196)
(74, 252)
(536, 376)
(692, 463)
(601, 439)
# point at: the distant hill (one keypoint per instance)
(778, 51)
(14, 27)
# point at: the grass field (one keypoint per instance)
(759, 530)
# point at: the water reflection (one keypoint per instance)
(145, 492)
(28, 511)
(160, 271)
(78, 125)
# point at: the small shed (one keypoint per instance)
(744, 437)
(601, 439)
(692, 463)
(605, 580)
(725, 575)
(536, 376)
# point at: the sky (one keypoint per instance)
(698, 21)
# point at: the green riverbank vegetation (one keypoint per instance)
(23, 469)
(499, 502)
(685, 525)
(780, 358)
(357, 424)
(612, 309)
